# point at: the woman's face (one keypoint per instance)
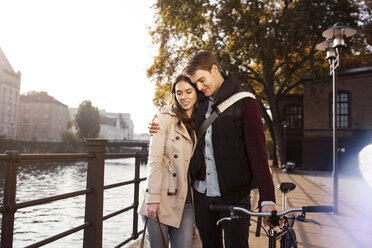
(186, 95)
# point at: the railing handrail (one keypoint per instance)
(96, 156)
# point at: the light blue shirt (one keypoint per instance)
(210, 185)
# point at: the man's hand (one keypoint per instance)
(267, 208)
(152, 210)
(153, 126)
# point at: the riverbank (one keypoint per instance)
(39, 147)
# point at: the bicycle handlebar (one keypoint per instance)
(220, 207)
(269, 214)
(314, 209)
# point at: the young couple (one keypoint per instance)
(186, 176)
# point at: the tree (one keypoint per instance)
(69, 137)
(268, 45)
(33, 92)
(87, 119)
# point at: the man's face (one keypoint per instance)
(207, 82)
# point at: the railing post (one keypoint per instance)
(94, 200)
(136, 196)
(10, 185)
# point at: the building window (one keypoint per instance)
(343, 109)
(293, 115)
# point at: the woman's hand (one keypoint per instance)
(152, 210)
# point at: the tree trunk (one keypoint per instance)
(273, 104)
(269, 124)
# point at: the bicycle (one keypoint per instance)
(286, 235)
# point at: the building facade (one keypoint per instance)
(41, 118)
(116, 126)
(113, 126)
(10, 83)
(309, 117)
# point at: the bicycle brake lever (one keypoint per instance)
(313, 221)
(223, 219)
(303, 219)
(227, 218)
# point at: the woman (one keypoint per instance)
(167, 193)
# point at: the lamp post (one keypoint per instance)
(285, 124)
(335, 41)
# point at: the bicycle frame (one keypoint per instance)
(286, 235)
(274, 235)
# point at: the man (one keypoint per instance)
(229, 155)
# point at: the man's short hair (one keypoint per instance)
(202, 60)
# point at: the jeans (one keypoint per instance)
(179, 237)
(235, 231)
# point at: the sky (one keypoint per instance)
(78, 50)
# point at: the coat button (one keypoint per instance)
(174, 174)
(177, 138)
(175, 156)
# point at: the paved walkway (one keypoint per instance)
(350, 228)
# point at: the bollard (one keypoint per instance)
(94, 200)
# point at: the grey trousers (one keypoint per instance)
(179, 237)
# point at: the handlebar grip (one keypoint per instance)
(217, 208)
(318, 209)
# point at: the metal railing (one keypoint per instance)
(94, 218)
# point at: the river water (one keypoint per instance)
(39, 180)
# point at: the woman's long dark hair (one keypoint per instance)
(180, 112)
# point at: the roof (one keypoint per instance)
(111, 121)
(5, 65)
(40, 97)
(347, 72)
(358, 70)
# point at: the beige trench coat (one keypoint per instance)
(171, 149)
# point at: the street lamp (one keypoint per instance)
(335, 41)
(327, 46)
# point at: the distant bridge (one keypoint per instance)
(120, 144)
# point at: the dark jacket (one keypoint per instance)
(232, 163)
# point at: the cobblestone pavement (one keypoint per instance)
(350, 228)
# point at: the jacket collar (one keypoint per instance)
(183, 131)
(179, 129)
(168, 110)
